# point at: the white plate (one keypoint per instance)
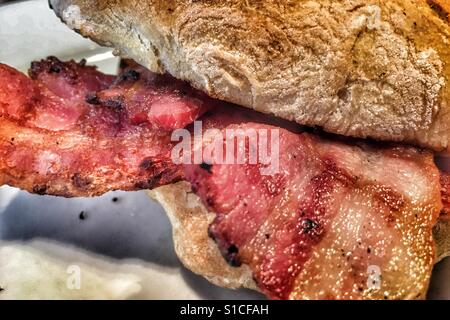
(124, 248)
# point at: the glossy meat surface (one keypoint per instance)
(335, 216)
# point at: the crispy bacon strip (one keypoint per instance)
(160, 100)
(56, 100)
(53, 141)
(69, 80)
(333, 214)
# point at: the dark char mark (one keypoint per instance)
(206, 166)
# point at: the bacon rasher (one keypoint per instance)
(57, 137)
(335, 216)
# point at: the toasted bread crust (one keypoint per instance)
(378, 69)
(196, 250)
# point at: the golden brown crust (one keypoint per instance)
(377, 68)
(196, 250)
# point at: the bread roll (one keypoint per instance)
(362, 68)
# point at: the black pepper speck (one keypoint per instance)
(82, 215)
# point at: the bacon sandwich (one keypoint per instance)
(356, 93)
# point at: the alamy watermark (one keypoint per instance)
(231, 146)
(73, 281)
